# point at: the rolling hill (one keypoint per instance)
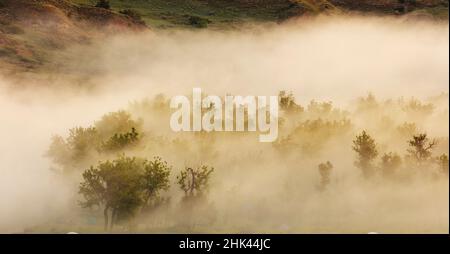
(223, 13)
(31, 30)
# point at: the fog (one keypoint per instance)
(256, 187)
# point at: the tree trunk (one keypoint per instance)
(146, 200)
(113, 219)
(192, 187)
(105, 214)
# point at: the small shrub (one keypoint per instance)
(132, 14)
(325, 172)
(103, 4)
(443, 163)
(198, 22)
(194, 182)
(390, 162)
(287, 102)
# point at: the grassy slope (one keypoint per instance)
(23, 46)
(175, 13)
(32, 30)
(223, 13)
(440, 12)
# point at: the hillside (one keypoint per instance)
(31, 30)
(225, 13)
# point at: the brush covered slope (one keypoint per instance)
(226, 13)
(31, 30)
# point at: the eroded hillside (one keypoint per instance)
(31, 30)
(33, 33)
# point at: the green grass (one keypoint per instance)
(176, 13)
(438, 12)
(224, 13)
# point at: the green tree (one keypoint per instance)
(76, 149)
(286, 100)
(443, 163)
(194, 182)
(114, 132)
(390, 162)
(365, 147)
(325, 170)
(59, 151)
(421, 148)
(81, 141)
(407, 129)
(155, 178)
(367, 104)
(115, 123)
(198, 22)
(416, 108)
(320, 108)
(121, 140)
(122, 186)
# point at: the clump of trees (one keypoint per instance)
(320, 108)
(407, 129)
(78, 146)
(116, 122)
(416, 108)
(126, 186)
(366, 149)
(419, 154)
(367, 104)
(325, 110)
(307, 131)
(115, 132)
(443, 163)
(121, 140)
(311, 135)
(390, 162)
